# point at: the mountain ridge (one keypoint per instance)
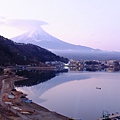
(21, 53)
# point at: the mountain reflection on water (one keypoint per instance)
(35, 77)
(76, 94)
(35, 87)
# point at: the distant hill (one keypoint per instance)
(43, 39)
(19, 53)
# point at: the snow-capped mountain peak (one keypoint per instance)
(43, 39)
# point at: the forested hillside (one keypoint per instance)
(18, 53)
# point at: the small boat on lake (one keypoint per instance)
(98, 88)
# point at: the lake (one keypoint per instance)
(77, 94)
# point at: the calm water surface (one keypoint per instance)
(74, 94)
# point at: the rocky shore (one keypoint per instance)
(18, 107)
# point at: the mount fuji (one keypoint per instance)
(41, 38)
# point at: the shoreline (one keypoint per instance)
(17, 102)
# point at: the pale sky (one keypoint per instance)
(92, 23)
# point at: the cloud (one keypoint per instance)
(25, 23)
(2, 18)
(13, 27)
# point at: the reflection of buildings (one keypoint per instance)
(58, 65)
(94, 65)
(76, 65)
(113, 65)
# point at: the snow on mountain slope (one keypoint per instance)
(43, 39)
